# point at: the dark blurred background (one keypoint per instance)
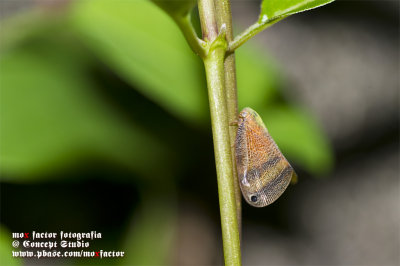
(104, 126)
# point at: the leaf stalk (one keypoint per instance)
(250, 32)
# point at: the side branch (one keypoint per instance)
(196, 44)
(251, 32)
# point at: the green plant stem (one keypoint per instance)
(224, 17)
(215, 73)
(251, 32)
(214, 65)
(197, 45)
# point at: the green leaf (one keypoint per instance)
(299, 137)
(53, 116)
(257, 78)
(151, 234)
(6, 249)
(273, 9)
(141, 43)
(176, 8)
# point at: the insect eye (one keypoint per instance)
(243, 114)
(253, 198)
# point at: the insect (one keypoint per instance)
(263, 171)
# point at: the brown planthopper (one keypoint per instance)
(263, 171)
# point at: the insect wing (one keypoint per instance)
(263, 171)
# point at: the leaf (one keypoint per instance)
(148, 50)
(257, 78)
(151, 235)
(52, 115)
(176, 8)
(273, 9)
(6, 249)
(299, 137)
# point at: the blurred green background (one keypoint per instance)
(104, 126)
